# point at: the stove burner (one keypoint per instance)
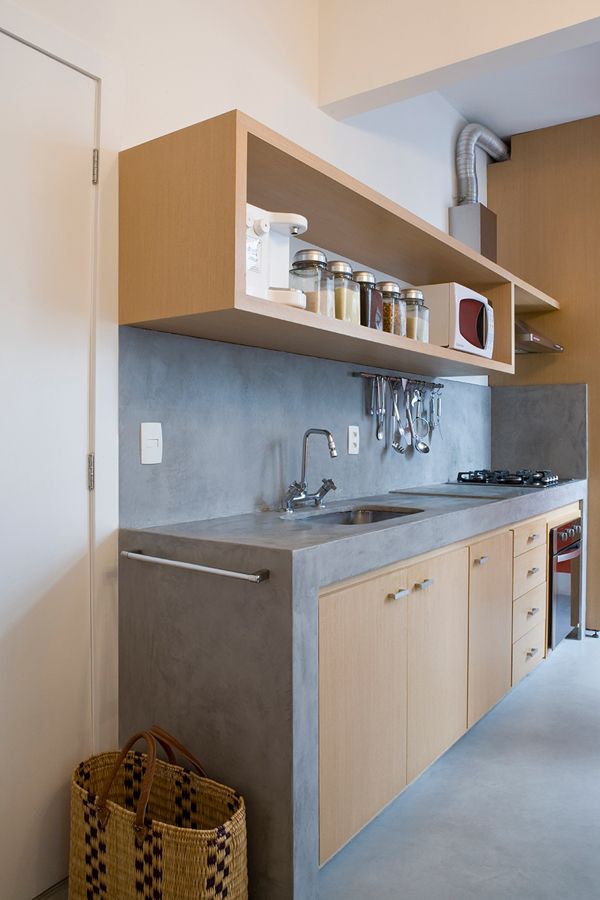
(522, 477)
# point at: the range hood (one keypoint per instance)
(529, 340)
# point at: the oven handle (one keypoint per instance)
(571, 554)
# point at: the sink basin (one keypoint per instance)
(360, 515)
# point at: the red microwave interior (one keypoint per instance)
(472, 321)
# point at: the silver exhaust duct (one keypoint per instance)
(472, 222)
(471, 137)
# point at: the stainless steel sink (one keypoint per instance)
(360, 515)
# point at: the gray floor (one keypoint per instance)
(511, 811)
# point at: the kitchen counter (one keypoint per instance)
(445, 513)
(232, 667)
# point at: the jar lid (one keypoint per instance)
(309, 257)
(412, 295)
(363, 277)
(388, 287)
(338, 266)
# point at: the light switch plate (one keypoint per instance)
(151, 443)
(353, 439)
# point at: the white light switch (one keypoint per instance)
(151, 443)
(353, 439)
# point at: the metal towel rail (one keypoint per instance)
(254, 577)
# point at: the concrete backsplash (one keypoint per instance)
(233, 419)
(541, 426)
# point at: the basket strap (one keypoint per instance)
(140, 828)
(164, 737)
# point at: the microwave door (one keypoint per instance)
(472, 322)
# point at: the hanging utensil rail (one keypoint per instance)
(410, 382)
(254, 577)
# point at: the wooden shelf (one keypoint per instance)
(259, 323)
(182, 249)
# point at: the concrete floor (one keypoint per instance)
(511, 811)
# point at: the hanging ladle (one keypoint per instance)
(417, 442)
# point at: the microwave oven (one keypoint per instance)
(459, 318)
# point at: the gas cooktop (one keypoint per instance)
(536, 478)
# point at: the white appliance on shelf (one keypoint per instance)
(459, 318)
(268, 254)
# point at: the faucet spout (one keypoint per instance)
(330, 444)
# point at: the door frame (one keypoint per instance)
(45, 38)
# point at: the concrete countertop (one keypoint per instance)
(444, 514)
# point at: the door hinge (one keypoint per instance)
(95, 165)
(91, 472)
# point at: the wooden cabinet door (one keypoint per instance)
(490, 623)
(437, 656)
(362, 704)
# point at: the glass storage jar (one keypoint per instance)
(309, 273)
(417, 314)
(371, 301)
(347, 292)
(394, 308)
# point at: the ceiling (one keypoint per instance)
(534, 95)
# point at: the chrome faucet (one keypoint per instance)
(296, 494)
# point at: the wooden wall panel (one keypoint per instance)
(547, 198)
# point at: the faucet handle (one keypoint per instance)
(329, 484)
(294, 488)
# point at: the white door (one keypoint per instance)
(47, 118)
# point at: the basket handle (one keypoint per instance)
(140, 829)
(166, 740)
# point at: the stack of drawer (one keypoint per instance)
(530, 592)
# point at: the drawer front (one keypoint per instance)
(529, 571)
(528, 652)
(529, 536)
(529, 610)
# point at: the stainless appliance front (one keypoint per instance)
(565, 581)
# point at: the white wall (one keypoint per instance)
(164, 66)
(173, 64)
(424, 46)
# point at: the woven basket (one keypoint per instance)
(143, 829)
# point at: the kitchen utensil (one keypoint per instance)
(371, 396)
(438, 412)
(431, 415)
(397, 427)
(421, 423)
(418, 443)
(380, 407)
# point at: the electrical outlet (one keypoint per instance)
(353, 439)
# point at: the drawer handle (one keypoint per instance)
(533, 571)
(482, 560)
(403, 592)
(533, 611)
(533, 652)
(423, 585)
(533, 537)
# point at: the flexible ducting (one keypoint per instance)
(471, 137)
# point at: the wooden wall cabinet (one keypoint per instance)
(490, 623)
(182, 249)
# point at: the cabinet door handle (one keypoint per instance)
(482, 560)
(423, 585)
(533, 537)
(403, 592)
(534, 571)
(531, 653)
(533, 611)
